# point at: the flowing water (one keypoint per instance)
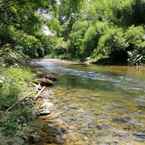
(104, 103)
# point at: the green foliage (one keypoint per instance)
(122, 11)
(136, 39)
(14, 84)
(76, 38)
(16, 121)
(90, 40)
(11, 87)
(83, 29)
(111, 44)
(135, 35)
(111, 30)
(20, 25)
(54, 25)
(8, 94)
(8, 56)
(92, 37)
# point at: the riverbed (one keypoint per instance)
(104, 103)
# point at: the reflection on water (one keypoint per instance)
(107, 104)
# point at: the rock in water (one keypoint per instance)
(46, 82)
(47, 76)
(44, 112)
(140, 136)
(50, 77)
(45, 109)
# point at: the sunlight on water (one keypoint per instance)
(105, 103)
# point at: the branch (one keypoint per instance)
(38, 94)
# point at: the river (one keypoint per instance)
(104, 103)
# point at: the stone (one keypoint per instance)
(121, 120)
(50, 77)
(45, 109)
(140, 136)
(47, 76)
(56, 134)
(44, 112)
(46, 82)
(34, 138)
(103, 126)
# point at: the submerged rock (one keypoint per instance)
(56, 134)
(121, 120)
(103, 126)
(140, 136)
(53, 129)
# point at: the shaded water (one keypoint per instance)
(104, 103)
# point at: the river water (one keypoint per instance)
(104, 103)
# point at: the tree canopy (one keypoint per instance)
(98, 30)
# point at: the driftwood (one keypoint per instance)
(44, 82)
(39, 93)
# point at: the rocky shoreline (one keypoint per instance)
(51, 129)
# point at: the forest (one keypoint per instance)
(96, 30)
(100, 32)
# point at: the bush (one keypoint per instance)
(16, 121)
(9, 55)
(122, 12)
(14, 85)
(135, 37)
(92, 36)
(112, 45)
(76, 38)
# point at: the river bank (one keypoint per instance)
(27, 113)
(53, 129)
(86, 105)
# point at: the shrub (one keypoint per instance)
(112, 44)
(9, 55)
(92, 36)
(16, 122)
(14, 84)
(76, 38)
(135, 37)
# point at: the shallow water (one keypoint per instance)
(104, 103)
